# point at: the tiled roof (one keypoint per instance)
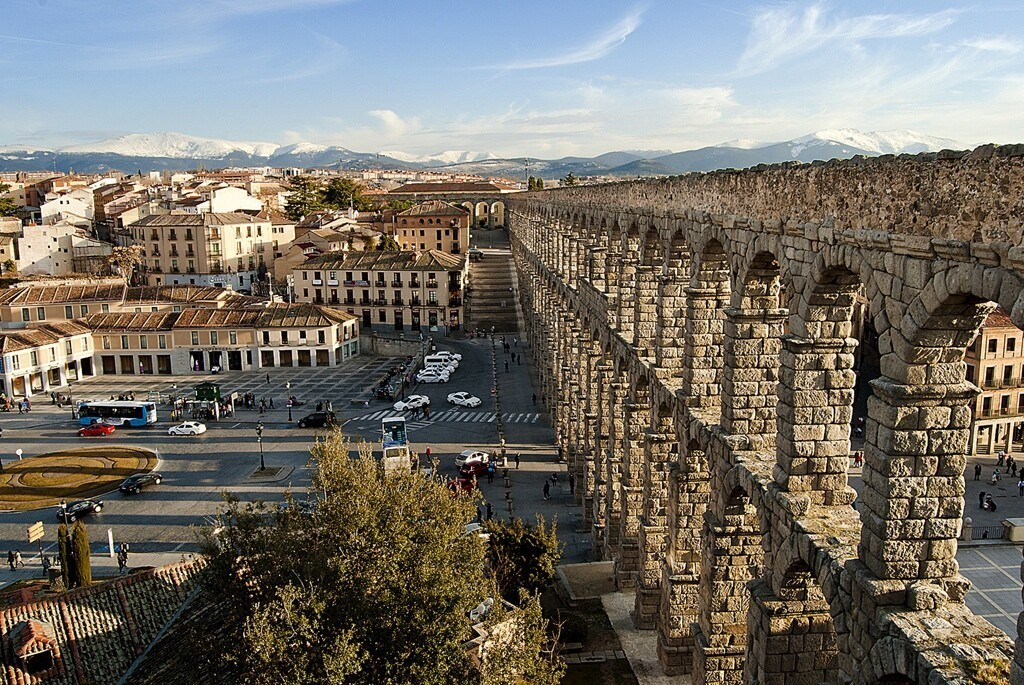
(28, 338)
(173, 293)
(217, 318)
(187, 220)
(55, 294)
(132, 321)
(99, 631)
(999, 318)
(434, 208)
(302, 315)
(382, 260)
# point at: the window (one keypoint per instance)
(106, 342)
(105, 308)
(25, 316)
(302, 335)
(233, 337)
(266, 337)
(85, 344)
(161, 342)
(67, 347)
(84, 310)
(320, 337)
(124, 342)
(69, 312)
(53, 353)
(284, 337)
(993, 346)
(144, 342)
(195, 337)
(33, 358)
(15, 361)
(214, 338)
(41, 313)
(1011, 344)
(176, 308)
(382, 316)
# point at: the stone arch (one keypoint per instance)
(706, 301)
(497, 214)
(480, 213)
(648, 305)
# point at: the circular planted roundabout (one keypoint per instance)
(46, 479)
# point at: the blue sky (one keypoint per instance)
(511, 77)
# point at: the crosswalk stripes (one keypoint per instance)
(451, 416)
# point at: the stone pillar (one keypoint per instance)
(730, 559)
(653, 531)
(596, 256)
(613, 470)
(632, 447)
(687, 502)
(626, 300)
(814, 414)
(645, 315)
(751, 374)
(599, 516)
(670, 327)
(792, 637)
(913, 499)
(702, 350)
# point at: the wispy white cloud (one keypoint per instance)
(780, 34)
(393, 125)
(999, 44)
(595, 49)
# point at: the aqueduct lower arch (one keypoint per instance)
(698, 343)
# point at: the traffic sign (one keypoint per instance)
(35, 531)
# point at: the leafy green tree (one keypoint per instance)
(531, 183)
(389, 244)
(540, 183)
(570, 180)
(80, 542)
(306, 196)
(369, 243)
(342, 193)
(507, 663)
(372, 584)
(522, 555)
(8, 207)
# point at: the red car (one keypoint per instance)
(460, 485)
(95, 429)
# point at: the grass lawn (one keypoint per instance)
(69, 474)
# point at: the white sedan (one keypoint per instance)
(187, 428)
(412, 402)
(432, 376)
(464, 399)
(471, 457)
(450, 355)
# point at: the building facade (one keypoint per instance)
(433, 225)
(392, 291)
(995, 363)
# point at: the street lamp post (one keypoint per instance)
(259, 439)
(64, 511)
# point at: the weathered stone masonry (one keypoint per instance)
(697, 339)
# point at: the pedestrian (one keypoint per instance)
(995, 476)
(21, 407)
(1020, 488)
(18, 561)
(122, 561)
(1001, 456)
(981, 499)
(506, 366)
(271, 402)
(515, 341)
(547, 489)
(517, 460)
(479, 515)
(490, 474)
(426, 412)
(10, 558)
(519, 360)
(572, 484)
(490, 511)
(534, 398)
(268, 379)
(428, 453)
(53, 397)
(977, 472)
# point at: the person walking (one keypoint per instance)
(547, 489)
(977, 472)
(517, 460)
(534, 397)
(122, 561)
(10, 558)
(981, 499)
(268, 379)
(18, 561)
(506, 366)
(1020, 487)
(490, 511)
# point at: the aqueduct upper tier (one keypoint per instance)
(699, 338)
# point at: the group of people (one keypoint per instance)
(7, 403)
(14, 559)
(122, 558)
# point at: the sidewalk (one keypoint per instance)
(103, 565)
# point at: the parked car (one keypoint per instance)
(94, 429)
(441, 360)
(447, 355)
(464, 399)
(432, 376)
(461, 485)
(132, 485)
(187, 428)
(318, 419)
(412, 402)
(475, 254)
(473, 461)
(79, 508)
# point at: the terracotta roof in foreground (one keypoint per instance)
(302, 315)
(381, 260)
(999, 318)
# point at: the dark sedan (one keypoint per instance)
(318, 419)
(79, 508)
(133, 485)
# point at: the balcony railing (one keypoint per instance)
(191, 269)
(454, 301)
(365, 300)
(381, 300)
(431, 284)
(998, 383)
(381, 284)
(173, 236)
(414, 283)
(350, 300)
(318, 281)
(999, 412)
(396, 284)
(397, 301)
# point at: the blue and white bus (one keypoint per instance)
(117, 412)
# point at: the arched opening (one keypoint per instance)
(480, 215)
(497, 211)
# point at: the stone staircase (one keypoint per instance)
(493, 294)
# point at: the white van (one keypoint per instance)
(440, 360)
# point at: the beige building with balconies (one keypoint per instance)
(218, 249)
(433, 225)
(389, 291)
(995, 363)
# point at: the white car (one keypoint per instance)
(449, 367)
(441, 360)
(464, 399)
(450, 355)
(472, 457)
(432, 376)
(187, 428)
(412, 402)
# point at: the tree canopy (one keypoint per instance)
(389, 244)
(125, 260)
(8, 207)
(570, 179)
(371, 581)
(306, 196)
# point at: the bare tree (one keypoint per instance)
(125, 260)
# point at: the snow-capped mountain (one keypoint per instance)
(876, 142)
(441, 158)
(742, 144)
(176, 145)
